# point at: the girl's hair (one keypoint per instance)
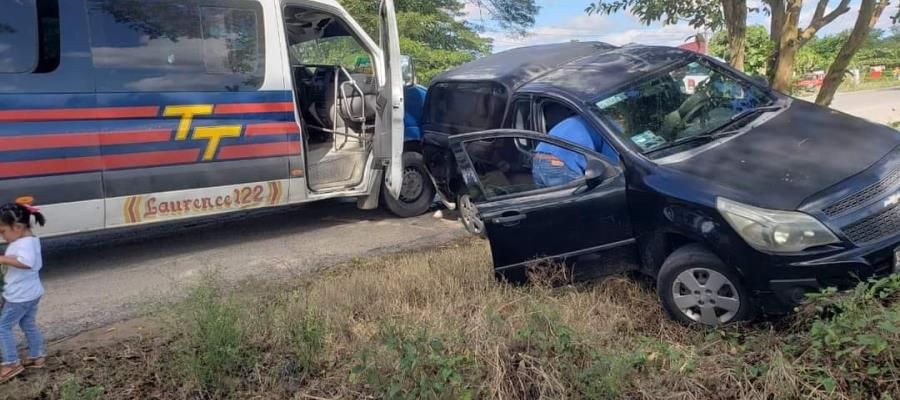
(15, 213)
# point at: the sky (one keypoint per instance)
(565, 20)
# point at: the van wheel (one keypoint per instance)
(417, 191)
(696, 287)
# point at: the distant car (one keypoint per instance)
(810, 82)
(736, 198)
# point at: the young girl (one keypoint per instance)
(22, 289)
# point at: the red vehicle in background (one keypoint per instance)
(810, 82)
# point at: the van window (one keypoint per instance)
(169, 45)
(332, 51)
(18, 36)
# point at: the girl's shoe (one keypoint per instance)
(8, 372)
(37, 362)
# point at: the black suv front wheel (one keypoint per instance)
(696, 287)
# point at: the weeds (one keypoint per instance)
(435, 324)
(73, 389)
(213, 353)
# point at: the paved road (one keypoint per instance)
(881, 105)
(102, 278)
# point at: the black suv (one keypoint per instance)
(736, 198)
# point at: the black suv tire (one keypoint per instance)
(696, 287)
(415, 200)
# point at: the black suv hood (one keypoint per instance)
(798, 153)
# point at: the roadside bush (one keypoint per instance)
(213, 352)
(73, 389)
(411, 364)
(854, 339)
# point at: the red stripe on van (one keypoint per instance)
(34, 142)
(64, 114)
(259, 150)
(275, 128)
(251, 108)
(81, 139)
(96, 163)
(135, 137)
(150, 159)
(50, 167)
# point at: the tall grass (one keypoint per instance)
(434, 324)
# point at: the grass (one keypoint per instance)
(869, 84)
(434, 324)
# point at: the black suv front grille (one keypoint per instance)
(858, 199)
(891, 181)
(874, 227)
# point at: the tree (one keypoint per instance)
(869, 13)
(758, 48)
(434, 33)
(712, 14)
(788, 37)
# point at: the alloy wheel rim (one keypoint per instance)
(706, 296)
(468, 214)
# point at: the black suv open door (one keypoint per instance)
(530, 212)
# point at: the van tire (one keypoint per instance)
(417, 193)
(683, 292)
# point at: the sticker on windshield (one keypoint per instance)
(611, 101)
(647, 140)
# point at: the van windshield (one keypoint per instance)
(669, 111)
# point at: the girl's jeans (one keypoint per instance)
(24, 315)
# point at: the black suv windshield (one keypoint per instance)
(690, 101)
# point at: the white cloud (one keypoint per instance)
(595, 27)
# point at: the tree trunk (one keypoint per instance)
(735, 12)
(787, 47)
(777, 8)
(869, 13)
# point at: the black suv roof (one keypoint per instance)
(583, 70)
(513, 68)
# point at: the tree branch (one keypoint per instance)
(820, 19)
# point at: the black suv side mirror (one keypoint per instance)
(596, 171)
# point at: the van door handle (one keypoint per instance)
(509, 218)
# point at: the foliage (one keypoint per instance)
(699, 13)
(757, 51)
(854, 340)
(73, 389)
(434, 33)
(215, 349)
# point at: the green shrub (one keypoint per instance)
(854, 339)
(305, 339)
(74, 389)
(416, 366)
(214, 351)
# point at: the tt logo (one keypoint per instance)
(212, 134)
(893, 200)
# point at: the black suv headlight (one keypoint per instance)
(773, 230)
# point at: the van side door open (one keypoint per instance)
(541, 198)
(389, 133)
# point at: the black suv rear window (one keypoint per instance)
(18, 36)
(465, 107)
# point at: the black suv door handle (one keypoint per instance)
(509, 218)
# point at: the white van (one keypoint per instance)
(123, 112)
